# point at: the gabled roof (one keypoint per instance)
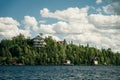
(38, 38)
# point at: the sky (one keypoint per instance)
(93, 22)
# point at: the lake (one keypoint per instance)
(59, 72)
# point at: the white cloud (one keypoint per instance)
(95, 29)
(42, 21)
(9, 28)
(46, 28)
(66, 15)
(108, 27)
(72, 20)
(105, 22)
(61, 27)
(73, 24)
(9, 21)
(30, 22)
(98, 1)
(53, 37)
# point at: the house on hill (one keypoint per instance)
(38, 41)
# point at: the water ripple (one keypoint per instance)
(59, 72)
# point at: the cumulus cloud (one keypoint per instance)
(72, 24)
(42, 21)
(9, 28)
(105, 22)
(95, 29)
(46, 28)
(66, 15)
(98, 1)
(70, 19)
(30, 22)
(55, 37)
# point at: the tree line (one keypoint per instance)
(21, 51)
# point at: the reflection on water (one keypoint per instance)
(59, 72)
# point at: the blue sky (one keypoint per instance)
(19, 8)
(96, 22)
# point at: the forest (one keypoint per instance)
(20, 50)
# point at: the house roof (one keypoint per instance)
(38, 38)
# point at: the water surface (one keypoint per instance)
(59, 72)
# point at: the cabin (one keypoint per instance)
(95, 60)
(14, 63)
(38, 41)
(68, 62)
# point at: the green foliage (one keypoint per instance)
(21, 51)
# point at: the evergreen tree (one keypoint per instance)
(20, 50)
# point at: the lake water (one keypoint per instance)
(59, 72)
